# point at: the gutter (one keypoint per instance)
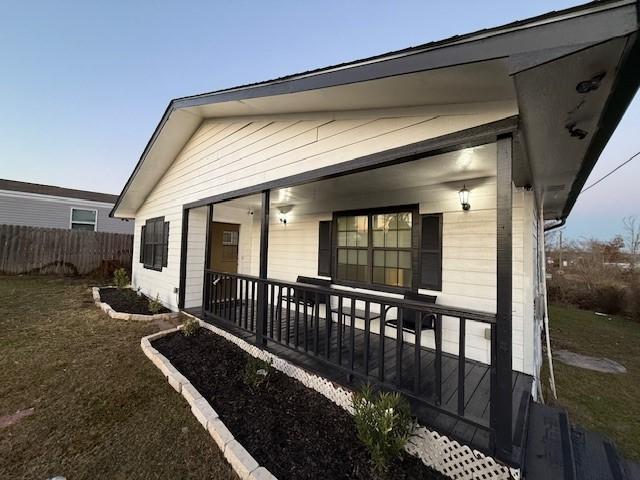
(561, 222)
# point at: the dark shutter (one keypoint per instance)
(324, 249)
(165, 244)
(431, 252)
(142, 244)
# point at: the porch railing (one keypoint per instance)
(348, 332)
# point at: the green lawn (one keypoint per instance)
(608, 403)
(102, 409)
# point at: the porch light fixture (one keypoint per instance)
(464, 198)
(283, 213)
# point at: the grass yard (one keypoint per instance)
(608, 403)
(101, 408)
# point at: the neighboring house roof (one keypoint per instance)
(532, 56)
(16, 186)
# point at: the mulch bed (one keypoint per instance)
(293, 431)
(126, 300)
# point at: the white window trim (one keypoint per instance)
(71, 222)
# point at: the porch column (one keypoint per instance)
(501, 398)
(183, 257)
(261, 320)
(206, 292)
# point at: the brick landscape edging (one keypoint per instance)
(241, 461)
(128, 316)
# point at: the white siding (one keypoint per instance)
(225, 155)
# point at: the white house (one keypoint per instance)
(356, 176)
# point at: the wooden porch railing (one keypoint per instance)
(321, 322)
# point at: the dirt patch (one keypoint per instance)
(127, 301)
(293, 431)
(9, 420)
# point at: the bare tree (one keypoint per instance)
(632, 238)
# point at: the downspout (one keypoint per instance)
(543, 255)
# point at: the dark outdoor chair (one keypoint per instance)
(410, 317)
(297, 297)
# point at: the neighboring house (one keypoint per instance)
(426, 172)
(48, 206)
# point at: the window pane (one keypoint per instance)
(392, 221)
(391, 239)
(404, 277)
(352, 239)
(391, 276)
(404, 259)
(362, 273)
(378, 258)
(82, 226)
(159, 237)
(362, 257)
(342, 271)
(342, 224)
(352, 272)
(363, 223)
(404, 238)
(78, 215)
(342, 256)
(352, 223)
(378, 238)
(362, 239)
(148, 254)
(353, 257)
(157, 260)
(404, 221)
(378, 275)
(342, 239)
(378, 222)
(391, 259)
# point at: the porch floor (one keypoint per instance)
(477, 374)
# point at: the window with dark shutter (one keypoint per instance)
(324, 249)
(154, 243)
(431, 252)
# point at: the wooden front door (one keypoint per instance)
(224, 247)
(224, 256)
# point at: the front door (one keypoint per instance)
(224, 254)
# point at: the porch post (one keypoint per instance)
(183, 257)
(501, 396)
(261, 320)
(207, 259)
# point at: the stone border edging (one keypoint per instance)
(437, 451)
(128, 316)
(241, 461)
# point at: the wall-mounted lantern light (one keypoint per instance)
(464, 198)
(283, 213)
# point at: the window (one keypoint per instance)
(392, 252)
(82, 219)
(375, 248)
(154, 242)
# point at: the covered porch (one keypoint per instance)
(326, 268)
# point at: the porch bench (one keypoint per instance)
(409, 317)
(296, 297)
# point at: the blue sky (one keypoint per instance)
(83, 84)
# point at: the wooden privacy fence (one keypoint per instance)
(56, 251)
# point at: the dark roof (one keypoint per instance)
(16, 186)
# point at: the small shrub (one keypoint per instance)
(190, 326)
(257, 372)
(155, 305)
(121, 278)
(384, 424)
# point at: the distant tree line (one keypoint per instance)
(603, 276)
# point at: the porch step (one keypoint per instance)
(558, 451)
